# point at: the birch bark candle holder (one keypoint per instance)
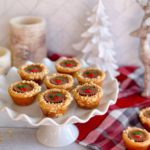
(27, 39)
(5, 60)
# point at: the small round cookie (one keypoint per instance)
(54, 102)
(88, 75)
(88, 95)
(136, 138)
(144, 116)
(24, 93)
(67, 65)
(35, 72)
(60, 81)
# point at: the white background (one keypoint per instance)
(66, 18)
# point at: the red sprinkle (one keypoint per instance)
(58, 81)
(56, 98)
(87, 91)
(23, 89)
(69, 65)
(91, 75)
(137, 136)
(34, 70)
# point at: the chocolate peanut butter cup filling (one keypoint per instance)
(88, 90)
(33, 69)
(91, 73)
(147, 114)
(59, 80)
(68, 63)
(23, 87)
(137, 136)
(54, 97)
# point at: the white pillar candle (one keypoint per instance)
(27, 39)
(5, 60)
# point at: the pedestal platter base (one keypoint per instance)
(55, 136)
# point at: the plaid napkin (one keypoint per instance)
(104, 132)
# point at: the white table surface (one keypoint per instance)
(25, 139)
(19, 135)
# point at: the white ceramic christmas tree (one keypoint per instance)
(96, 47)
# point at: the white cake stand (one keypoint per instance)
(56, 132)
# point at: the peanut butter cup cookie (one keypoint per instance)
(24, 92)
(136, 138)
(89, 75)
(35, 72)
(67, 65)
(54, 102)
(144, 116)
(57, 80)
(88, 95)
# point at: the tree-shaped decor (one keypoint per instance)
(96, 46)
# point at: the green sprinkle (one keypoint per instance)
(20, 86)
(92, 88)
(58, 94)
(66, 62)
(95, 72)
(137, 133)
(29, 68)
(84, 88)
(51, 96)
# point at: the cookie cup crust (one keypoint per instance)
(66, 86)
(98, 80)
(144, 120)
(35, 76)
(67, 70)
(88, 102)
(130, 144)
(24, 99)
(54, 109)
